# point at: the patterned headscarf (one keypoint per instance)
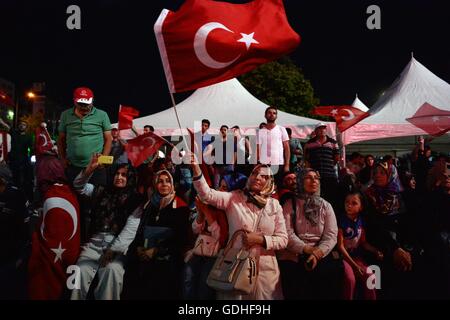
(113, 205)
(260, 198)
(157, 200)
(313, 202)
(386, 198)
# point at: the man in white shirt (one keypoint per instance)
(273, 143)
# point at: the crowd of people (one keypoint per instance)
(318, 227)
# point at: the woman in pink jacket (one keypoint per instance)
(309, 267)
(253, 210)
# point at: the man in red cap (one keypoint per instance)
(83, 130)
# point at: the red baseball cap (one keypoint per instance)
(83, 95)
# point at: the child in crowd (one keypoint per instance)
(352, 243)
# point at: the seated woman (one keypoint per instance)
(211, 223)
(114, 221)
(47, 267)
(308, 270)
(261, 216)
(388, 228)
(156, 254)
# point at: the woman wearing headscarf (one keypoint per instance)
(114, 221)
(46, 270)
(156, 254)
(256, 212)
(388, 229)
(309, 269)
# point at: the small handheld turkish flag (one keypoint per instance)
(43, 142)
(142, 147)
(126, 116)
(55, 245)
(432, 120)
(207, 42)
(345, 116)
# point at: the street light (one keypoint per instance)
(31, 95)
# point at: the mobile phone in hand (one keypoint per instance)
(105, 159)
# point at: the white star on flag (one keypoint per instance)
(58, 252)
(248, 39)
(334, 112)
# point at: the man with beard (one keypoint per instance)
(273, 143)
(83, 131)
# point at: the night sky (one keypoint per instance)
(115, 52)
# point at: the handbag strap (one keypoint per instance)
(240, 232)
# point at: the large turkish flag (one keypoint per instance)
(207, 41)
(55, 245)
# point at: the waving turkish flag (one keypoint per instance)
(207, 41)
(43, 142)
(55, 245)
(142, 147)
(345, 116)
(126, 116)
(432, 120)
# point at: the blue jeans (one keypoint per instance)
(195, 273)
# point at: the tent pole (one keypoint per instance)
(340, 139)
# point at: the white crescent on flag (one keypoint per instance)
(350, 116)
(57, 202)
(45, 139)
(148, 144)
(200, 46)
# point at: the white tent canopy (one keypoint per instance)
(226, 103)
(359, 104)
(415, 86)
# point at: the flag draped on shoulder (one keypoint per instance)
(345, 116)
(207, 42)
(55, 244)
(142, 147)
(126, 116)
(432, 120)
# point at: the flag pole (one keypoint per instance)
(178, 121)
(340, 136)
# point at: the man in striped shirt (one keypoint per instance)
(322, 154)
